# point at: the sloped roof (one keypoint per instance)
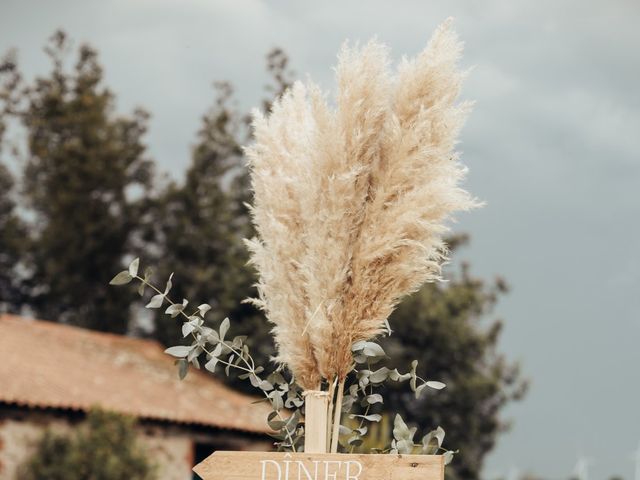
(49, 365)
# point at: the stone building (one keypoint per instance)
(52, 374)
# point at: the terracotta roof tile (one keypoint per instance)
(49, 365)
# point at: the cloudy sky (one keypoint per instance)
(553, 148)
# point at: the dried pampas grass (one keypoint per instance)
(351, 203)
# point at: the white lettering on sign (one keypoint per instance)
(312, 470)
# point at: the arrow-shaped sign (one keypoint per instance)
(320, 466)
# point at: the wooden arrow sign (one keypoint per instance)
(319, 466)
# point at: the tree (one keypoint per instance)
(444, 326)
(12, 246)
(197, 227)
(104, 448)
(12, 228)
(200, 223)
(85, 178)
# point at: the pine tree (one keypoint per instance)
(13, 234)
(12, 246)
(84, 177)
(201, 222)
(198, 231)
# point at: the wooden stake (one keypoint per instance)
(336, 418)
(332, 391)
(315, 421)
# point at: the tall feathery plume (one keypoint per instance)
(351, 203)
(281, 177)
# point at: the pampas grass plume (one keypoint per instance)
(351, 202)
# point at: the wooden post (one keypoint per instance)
(315, 421)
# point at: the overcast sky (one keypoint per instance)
(553, 148)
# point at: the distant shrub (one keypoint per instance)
(103, 448)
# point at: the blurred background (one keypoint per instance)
(121, 129)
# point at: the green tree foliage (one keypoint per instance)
(85, 173)
(12, 229)
(445, 327)
(105, 448)
(201, 222)
(198, 231)
(12, 246)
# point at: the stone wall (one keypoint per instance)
(170, 447)
(18, 437)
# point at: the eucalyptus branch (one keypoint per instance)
(238, 351)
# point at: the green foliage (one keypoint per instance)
(200, 223)
(200, 234)
(211, 348)
(444, 327)
(104, 448)
(12, 246)
(85, 178)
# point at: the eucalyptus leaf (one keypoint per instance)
(175, 309)
(448, 456)
(238, 342)
(255, 380)
(273, 423)
(372, 349)
(169, 284)
(355, 441)
(432, 441)
(228, 367)
(405, 447)
(435, 385)
(195, 362)
(347, 402)
(121, 278)
(148, 272)
(211, 364)
(212, 336)
(133, 267)
(265, 386)
(187, 328)
(400, 429)
(183, 368)
(414, 378)
(217, 350)
(194, 353)
(379, 375)
(224, 328)
(387, 327)
(203, 309)
(397, 376)
(156, 301)
(374, 417)
(179, 351)
(276, 400)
